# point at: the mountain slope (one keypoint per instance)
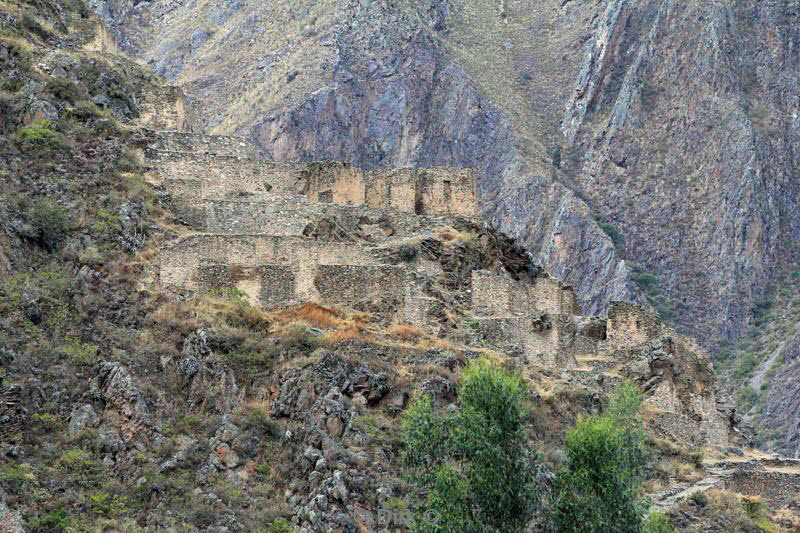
(641, 149)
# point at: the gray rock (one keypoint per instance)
(10, 519)
(82, 417)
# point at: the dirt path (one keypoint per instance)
(715, 475)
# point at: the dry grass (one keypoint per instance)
(406, 332)
(314, 315)
(680, 470)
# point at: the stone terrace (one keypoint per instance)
(332, 233)
(291, 232)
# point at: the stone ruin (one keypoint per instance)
(287, 233)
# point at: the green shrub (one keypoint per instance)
(557, 157)
(49, 222)
(30, 23)
(63, 89)
(38, 300)
(38, 138)
(85, 110)
(80, 353)
(76, 459)
(17, 478)
(613, 232)
(106, 225)
(475, 464)
(408, 250)
(699, 498)
(57, 520)
(299, 341)
(11, 85)
(658, 523)
(259, 422)
(745, 366)
(105, 504)
(597, 487)
(280, 525)
(91, 256)
(746, 398)
(644, 280)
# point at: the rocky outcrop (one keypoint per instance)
(124, 405)
(10, 519)
(13, 414)
(211, 384)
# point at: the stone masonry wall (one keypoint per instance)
(167, 109)
(778, 488)
(630, 325)
(351, 284)
(201, 144)
(224, 167)
(181, 260)
(290, 216)
(543, 343)
(499, 296)
(269, 285)
(218, 177)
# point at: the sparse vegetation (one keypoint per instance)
(38, 139)
(613, 233)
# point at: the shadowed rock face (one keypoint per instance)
(675, 121)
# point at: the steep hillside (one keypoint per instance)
(761, 369)
(196, 338)
(642, 150)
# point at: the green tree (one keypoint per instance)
(475, 464)
(598, 486)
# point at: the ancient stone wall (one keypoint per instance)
(443, 190)
(630, 325)
(199, 144)
(493, 294)
(218, 177)
(268, 285)
(351, 284)
(226, 166)
(331, 182)
(167, 109)
(778, 488)
(542, 342)
(291, 216)
(181, 260)
(550, 296)
(590, 334)
(430, 191)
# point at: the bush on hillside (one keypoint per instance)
(598, 486)
(475, 464)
